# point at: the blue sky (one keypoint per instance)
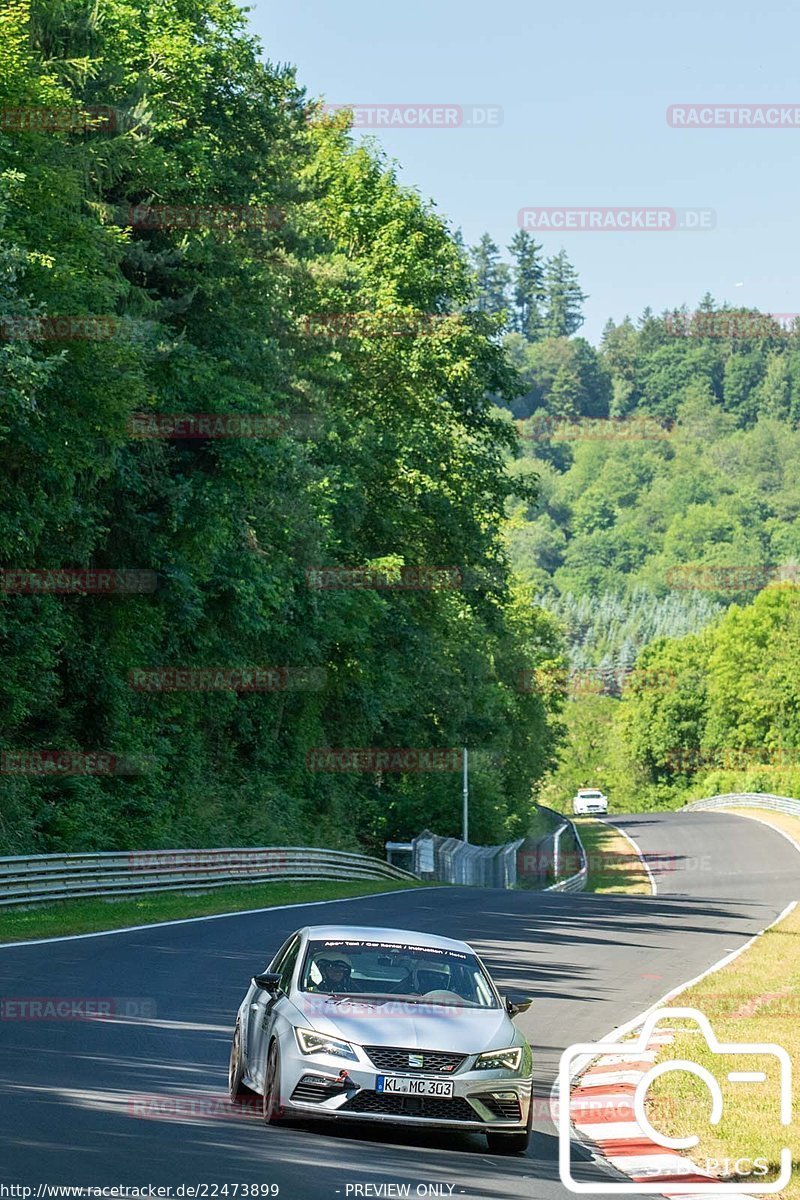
(584, 90)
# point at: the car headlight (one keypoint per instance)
(495, 1060)
(319, 1043)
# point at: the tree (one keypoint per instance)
(404, 468)
(564, 297)
(529, 288)
(564, 398)
(492, 277)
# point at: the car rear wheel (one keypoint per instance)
(236, 1089)
(273, 1110)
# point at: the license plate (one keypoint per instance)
(407, 1086)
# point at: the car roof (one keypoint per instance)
(372, 933)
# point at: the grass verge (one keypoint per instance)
(96, 914)
(756, 998)
(614, 865)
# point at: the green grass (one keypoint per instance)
(95, 914)
(614, 866)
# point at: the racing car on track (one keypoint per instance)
(387, 1025)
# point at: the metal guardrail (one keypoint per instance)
(784, 804)
(576, 882)
(31, 879)
(449, 860)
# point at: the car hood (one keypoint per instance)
(401, 1023)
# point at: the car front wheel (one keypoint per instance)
(237, 1091)
(273, 1110)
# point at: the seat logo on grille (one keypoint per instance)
(416, 1060)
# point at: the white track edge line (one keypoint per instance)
(242, 912)
(640, 852)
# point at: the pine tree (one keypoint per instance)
(564, 297)
(491, 276)
(565, 395)
(529, 289)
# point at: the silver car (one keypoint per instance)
(351, 1022)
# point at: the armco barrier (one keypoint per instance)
(30, 879)
(784, 804)
(577, 881)
(449, 860)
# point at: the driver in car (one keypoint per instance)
(335, 969)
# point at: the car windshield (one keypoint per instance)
(340, 967)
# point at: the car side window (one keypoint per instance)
(287, 965)
(279, 958)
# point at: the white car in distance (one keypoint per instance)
(589, 801)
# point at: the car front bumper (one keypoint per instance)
(484, 1100)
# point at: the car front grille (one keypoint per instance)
(507, 1110)
(395, 1058)
(432, 1107)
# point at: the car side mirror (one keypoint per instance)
(516, 1003)
(268, 982)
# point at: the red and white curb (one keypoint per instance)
(602, 1112)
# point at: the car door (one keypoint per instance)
(265, 1008)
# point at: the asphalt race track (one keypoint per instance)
(71, 1090)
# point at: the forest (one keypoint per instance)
(236, 353)
(664, 535)
(301, 494)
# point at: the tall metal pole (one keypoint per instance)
(466, 797)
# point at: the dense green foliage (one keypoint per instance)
(704, 714)
(667, 463)
(627, 512)
(607, 632)
(631, 505)
(730, 717)
(405, 468)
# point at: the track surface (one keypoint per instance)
(592, 962)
